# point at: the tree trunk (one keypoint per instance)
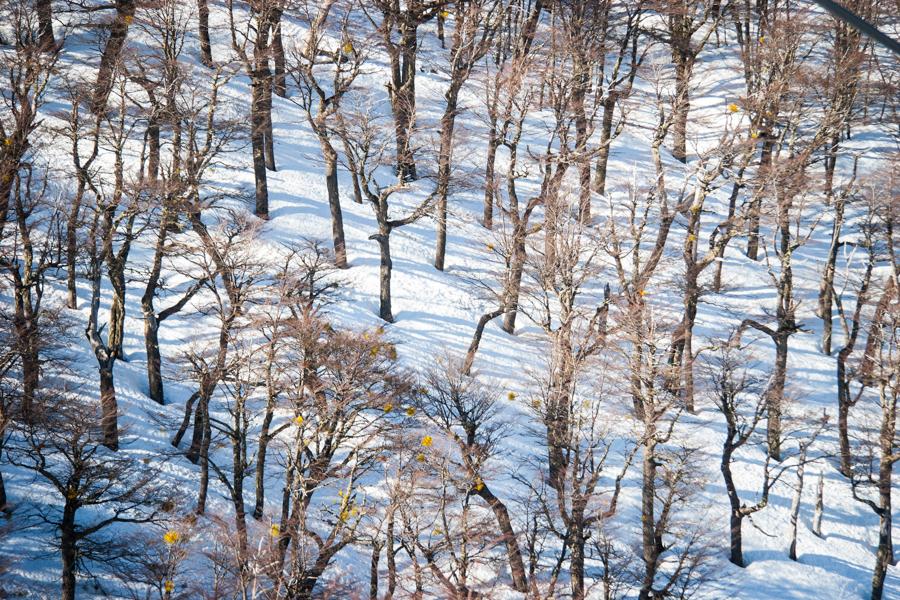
(825, 286)
(490, 180)
(154, 359)
(112, 51)
(373, 571)
(108, 405)
(68, 551)
(609, 109)
(448, 121)
(820, 506)
(513, 553)
(258, 142)
(267, 119)
(775, 397)
(476, 339)
(264, 438)
(334, 204)
(203, 29)
(117, 321)
(403, 100)
(31, 369)
(650, 549)
(795, 505)
(516, 268)
(204, 457)
(384, 245)
(576, 561)
(765, 162)
(682, 106)
(45, 25)
(279, 83)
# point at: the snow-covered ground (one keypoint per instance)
(436, 313)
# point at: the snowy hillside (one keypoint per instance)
(636, 357)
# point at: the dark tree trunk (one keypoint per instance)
(490, 180)
(609, 109)
(775, 397)
(203, 30)
(683, 68)
(650, 549)
(334, 205)
(476, 339)
(279, 83)
(154, 359)
(403, 100)
(258, 143)
(373, 571)
(112, 51)
(513, 553)
(576, 560)
(153, 147)
(45, 25)
(108, 405)
(267, 118)
(448, 121)
(384, 274)
(31, 372)
(68, 552)
(826, 298)
(765, 162)
(117, 321)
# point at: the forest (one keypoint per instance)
(463, 299)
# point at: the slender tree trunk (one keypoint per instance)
(117, 321)
(609, 109)
(373, 571)
(775, 396)
(682, 106)
(765, 161)
(108, 405)
(31, 366)
(448, 121)
(154, 359)
(795, 505)
(825, 287)
(204, 458)
(267, 119)
(334, 204)
(112, 51)
(476, 338)
(45, 25)
(650, 549)
(513, 553)
(514, 286)
(384, 245)
(820, 506)
(279, 82)
(203, 29)
(68, 552)
(258, 143)
(490, 180)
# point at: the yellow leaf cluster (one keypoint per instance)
(171, 537)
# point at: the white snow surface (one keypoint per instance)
(435, 317)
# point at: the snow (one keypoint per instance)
(435, 316)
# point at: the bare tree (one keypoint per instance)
(324, 71)
(402, 19)
(475, 24)
(64, 447)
